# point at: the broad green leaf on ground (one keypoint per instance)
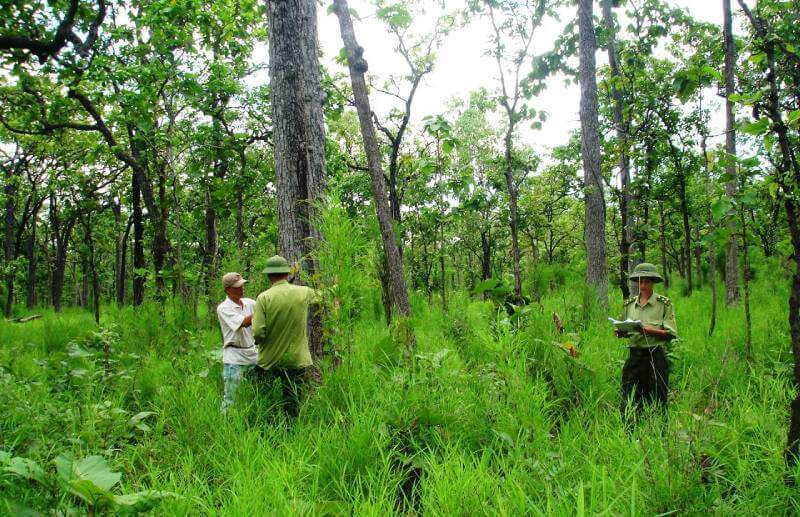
(141, 501)
(90, 479)
(24, 468)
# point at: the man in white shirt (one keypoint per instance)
(239, 352)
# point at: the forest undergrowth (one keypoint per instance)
(490, 415)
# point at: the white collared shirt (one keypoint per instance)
(238, 345)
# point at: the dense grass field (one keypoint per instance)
(489, 417)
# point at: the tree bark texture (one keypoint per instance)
(138, 243)
(597, 274)
(358, 66)
(30, 249)
(731, 258)
(299, 135)
(626, 235)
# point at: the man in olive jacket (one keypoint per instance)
(645, 375)
(280, 323)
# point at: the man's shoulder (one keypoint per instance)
(223, 304)
(663, 299)
(629, 301)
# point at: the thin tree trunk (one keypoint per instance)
(712, 263)
(748, 332)
(698, 257)
(11, 223)
(122, 276)
(626, 234)
(358, 66)
(687, 232)
(663, 242)
(731, 265)
(32, 262)
(597, 274)
(93, 268)
(138, 244)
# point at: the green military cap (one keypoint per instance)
(277, 264)
(646, 270)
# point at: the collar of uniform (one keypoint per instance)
(649, 300)
(279, 282)
(234, 304)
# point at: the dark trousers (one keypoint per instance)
(645, 378)
(292, 382)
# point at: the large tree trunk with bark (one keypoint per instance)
(731, 258)
(597, 274)
(626, 235)
(299, 135)
(358, 66)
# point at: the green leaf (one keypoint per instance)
(756, 128)
(487, 285)
(25, 468)
(136, 421)
(794, 116)
(757, 57)
(141, 501)
(773, 190)
(90, 479)
(720, 208)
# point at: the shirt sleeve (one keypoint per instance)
(230, 317)
(259, 324)
(314, 296)
(669, 323)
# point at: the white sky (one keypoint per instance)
(461, 66)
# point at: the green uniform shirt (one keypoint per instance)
(280, 322)
(658, 312)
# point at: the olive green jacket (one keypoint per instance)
(280, 322)
(658, 312)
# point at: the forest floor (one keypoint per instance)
(486, 418)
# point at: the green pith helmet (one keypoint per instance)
(646, 270)
(276, 265)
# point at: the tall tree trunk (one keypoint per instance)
(138, 244)
(712, 250)
(597, 274)
(687, 231)
(731, 259)
(486, 255)
(93, 268)
(663, 242)
(698, 257)
(512, 198)
(11, 223)
(442, 268)
(626, 234)
(122, 274)
(748, 327)
(299, 135)
(32, 262)
(358, 66)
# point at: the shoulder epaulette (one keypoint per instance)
(629, 300)
(663, 299)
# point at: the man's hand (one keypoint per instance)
(248, 320)
(655, 332)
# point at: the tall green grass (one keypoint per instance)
(488, 416)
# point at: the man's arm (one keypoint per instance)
(230, 318)
(259, 320)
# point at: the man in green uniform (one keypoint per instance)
(645, 376)
(280, 322)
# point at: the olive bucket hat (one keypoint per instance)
(277, 264)
(646, 270)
